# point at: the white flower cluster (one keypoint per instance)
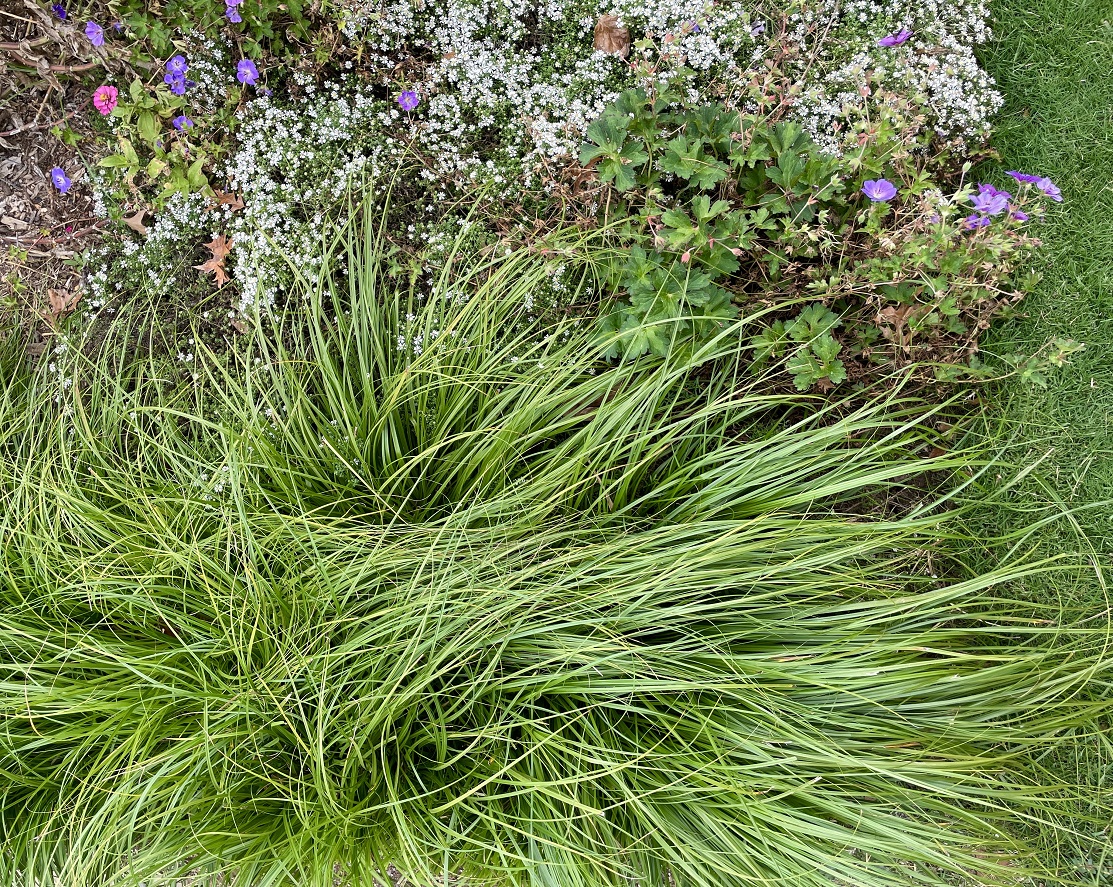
(292, 165)
(155, 266)
(210, 62)
(841, 62)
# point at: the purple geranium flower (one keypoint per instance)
(1045, 184)
(1023, 177)
(119, 26)
(408, 100)
(879, 191)
(975, 221)
(181, 122)
(59, 10)
(178, 83)
(1019, 215)
(233, 15)
(896, 39)
(177, 66)
(95, 33)
(991, 202)
(60, 179)
(246, 72)
(756, 29)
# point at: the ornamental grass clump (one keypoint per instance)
(537, 621)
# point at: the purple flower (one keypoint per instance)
(178, 83)
(1045, 184)
(1023, 177)
(95, 33)
(181, 122)
(408, 100)
(1019, 215)
(896, 39)
(879, 191)
(60, 179)
(759, 28)
(975, 221)
(177, 66)
(991, 202)
(119, 26)
(246, 72)
(233, 15)
(232, 2)
(59, 10)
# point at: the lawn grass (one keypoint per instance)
(1054, 62)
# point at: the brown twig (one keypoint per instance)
(25, 44)
(53, 241)
(62, 69)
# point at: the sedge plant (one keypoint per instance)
(414, 581)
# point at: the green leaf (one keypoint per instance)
(608, 132)
(155, 168)
(148, 127)
(814, 321)
(113, 161)
(771, 342)
(623, 176)
(195, 176)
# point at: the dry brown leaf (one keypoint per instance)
(611, 37)
(61, 302)
(136, 222)
(232, 200)
(219, 246)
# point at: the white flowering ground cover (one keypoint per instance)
(504, 95)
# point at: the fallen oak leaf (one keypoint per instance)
(226, 199)
(219, 246)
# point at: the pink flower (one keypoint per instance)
(104, 98)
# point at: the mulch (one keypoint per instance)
(42, 63)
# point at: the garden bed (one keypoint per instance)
(523, 445)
